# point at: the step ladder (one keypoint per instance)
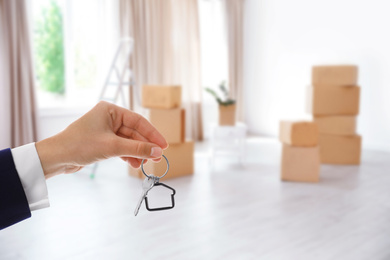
(126, 46)
(118, 79)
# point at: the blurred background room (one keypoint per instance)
(276, 112)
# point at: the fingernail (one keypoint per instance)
(156, 152)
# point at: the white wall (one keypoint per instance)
(284, 38)
(53, 121)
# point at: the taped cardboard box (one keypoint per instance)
(334, 100)
(161, 96)
(340, 149)
(181, 162)
(343, 75)
(227, 114)
(300, 163)
(298, 133)
(336, 125)
(170, 123)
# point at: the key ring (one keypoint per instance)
(148, 176)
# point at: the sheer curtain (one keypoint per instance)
(235, 34)
(167, 49)
(18, 124)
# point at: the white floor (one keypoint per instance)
(231, 212)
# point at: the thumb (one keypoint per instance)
(137, 149)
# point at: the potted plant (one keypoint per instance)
(227, 106)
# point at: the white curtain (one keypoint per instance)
(234, 10)
(167, 49)
(17, 98)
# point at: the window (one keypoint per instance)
(74, 43)
(49, 48)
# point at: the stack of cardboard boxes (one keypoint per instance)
(166, 114)
(335, 105)
(300, 151)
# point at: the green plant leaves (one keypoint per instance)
(49, 49)
(227, 101)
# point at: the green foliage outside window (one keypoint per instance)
(49, 49)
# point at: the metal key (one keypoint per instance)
(147, 185)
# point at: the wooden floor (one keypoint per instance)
(231, 212)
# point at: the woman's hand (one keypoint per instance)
(105, 131)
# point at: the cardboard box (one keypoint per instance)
(159, 96)
(343, 75)
(181, 162)
(300, 163)
(299, 133)
(227, 115)
(334, 100)
(340, 149)
(170, 123)
(336, 125)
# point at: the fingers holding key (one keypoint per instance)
(129, 133)
(141, 125)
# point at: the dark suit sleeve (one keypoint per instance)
(13, 202)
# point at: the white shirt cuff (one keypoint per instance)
(29, 168)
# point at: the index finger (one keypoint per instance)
(144, 127)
